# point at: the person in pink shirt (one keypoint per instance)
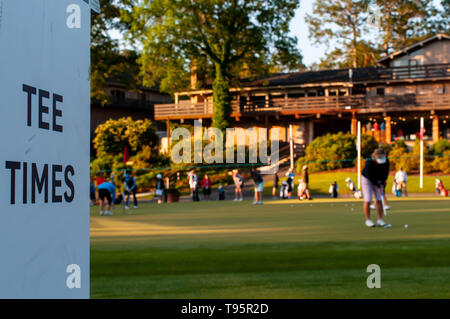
(206, 185)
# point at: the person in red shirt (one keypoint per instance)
(206, 185)
(100, 179)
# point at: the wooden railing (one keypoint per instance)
(358, 103)
(414, 72)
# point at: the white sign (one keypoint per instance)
(44, 148)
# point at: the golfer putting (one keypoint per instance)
(373, 179)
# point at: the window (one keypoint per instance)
(118, 95)
(380, 91)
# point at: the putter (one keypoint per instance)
(382, 203)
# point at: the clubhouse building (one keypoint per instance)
(388, 99)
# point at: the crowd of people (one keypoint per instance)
(104, 193)
(373, 180)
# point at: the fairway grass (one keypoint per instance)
(283, 249)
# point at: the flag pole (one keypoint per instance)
(291, 146)
(358, 147)
(422, 129)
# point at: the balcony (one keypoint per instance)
(309, 105)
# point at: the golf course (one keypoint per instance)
(282, 249)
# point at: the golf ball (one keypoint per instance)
(406, 225)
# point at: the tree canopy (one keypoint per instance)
(224, 36)
(108, 62)
(360, 31)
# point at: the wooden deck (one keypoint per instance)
(310, 105)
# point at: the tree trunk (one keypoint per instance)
(221, 99)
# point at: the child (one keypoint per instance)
(221, 193)
(301, 189)
(238, 182)
(193, 185)
(160, 188)
(290, 181)
(442, 190)
(333, 190)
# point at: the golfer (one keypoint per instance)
(160, 188)
(130, 188)
(259, 187)
(238, 183)
(275, 184)
(374, 176)
(193, 185)
(106, 192)
(305, 178)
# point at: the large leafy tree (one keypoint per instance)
(107, 60)
(341, 22)
(228, 35)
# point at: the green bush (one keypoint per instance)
(440, 147)
(112, 136)
(442, 162)
(335, 151)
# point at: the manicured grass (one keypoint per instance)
(320, 183)
(283, 249)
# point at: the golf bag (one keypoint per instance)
(351, 186)
(284, 190)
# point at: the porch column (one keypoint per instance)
(435, 128)
(353, 126)
(168, 128)
(388, 129)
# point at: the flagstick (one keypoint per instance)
(358, 147)
(291, 146)
(421, 151)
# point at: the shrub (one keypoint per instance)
(440, 147)
(442, 162)
(334, 151)
(112, 136)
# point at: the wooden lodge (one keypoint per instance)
(404, 86)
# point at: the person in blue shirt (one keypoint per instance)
(92, 191)
(106, 192)
(130, 188)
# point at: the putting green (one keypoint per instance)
(282, 249)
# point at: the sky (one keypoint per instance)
(311, 52)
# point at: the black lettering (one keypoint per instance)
(57, 113)
(13, 166)
(69, 183)
(43, 109)
(39, 182)
(56, 183)
(30, 91)
(25, 182)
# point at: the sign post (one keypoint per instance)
(44, 158)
